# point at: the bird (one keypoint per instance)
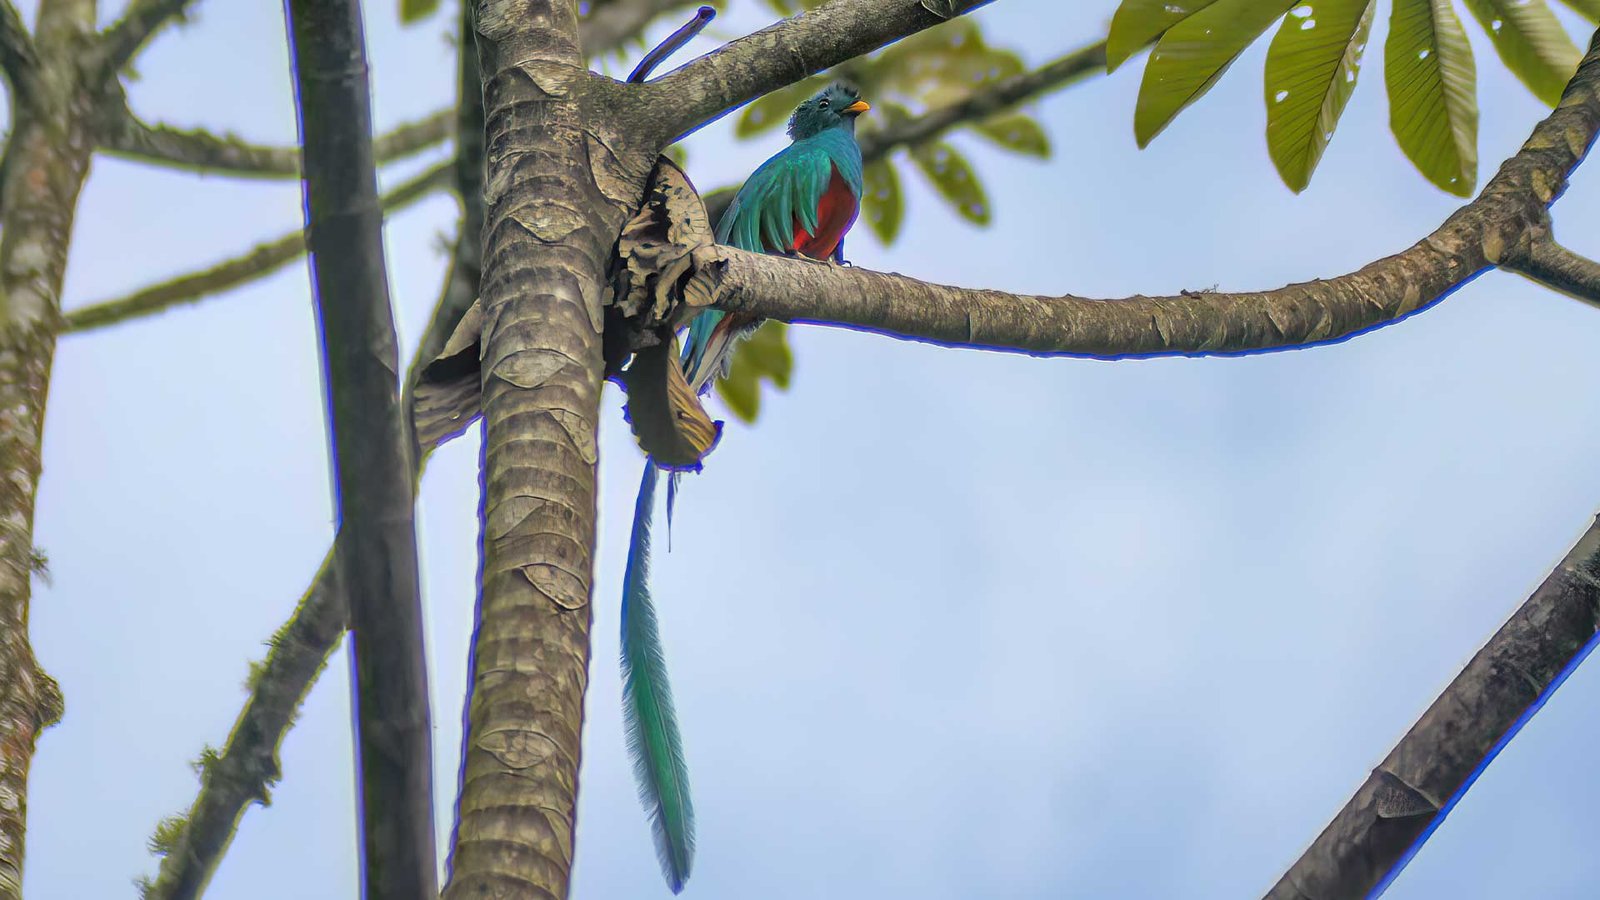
(798, 203)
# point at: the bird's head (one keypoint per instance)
(835, 107)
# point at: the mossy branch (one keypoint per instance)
(262, 260)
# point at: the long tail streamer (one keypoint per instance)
(653, 741)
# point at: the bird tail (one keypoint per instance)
(653, 741)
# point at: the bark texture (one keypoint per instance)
(552, 215)
(375, 550)
(1414, 787)
(1507, 218)
(47, 160)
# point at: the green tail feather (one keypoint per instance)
(653, 741)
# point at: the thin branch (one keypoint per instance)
(247, 766)
(703, 90)
(609, 26)
(984, 102)
(1557, 268)
(17, 56)
(124, 134)
(376, 550)
(430, 402)
(262, 260)
(122, 41)
(980, 104)
(1512, 205)
(1415, 787)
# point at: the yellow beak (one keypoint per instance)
(857, 108)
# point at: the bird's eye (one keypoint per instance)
(823, 103)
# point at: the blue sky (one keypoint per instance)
(945, 624)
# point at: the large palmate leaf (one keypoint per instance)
(765, 356)
(1531, 42)
(1431, 77)
(1138, 22)
(1193, 54)
(1311, 72)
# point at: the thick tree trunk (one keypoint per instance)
(547, 242)
(46, 161)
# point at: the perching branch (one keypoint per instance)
(121, 42)
(375, 550)
(1554, 266)
(1417, 785)
(1511, 208)
(262, 260)
(17, 58)
(124, 134)
(695, 94)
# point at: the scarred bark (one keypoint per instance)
(46, 162)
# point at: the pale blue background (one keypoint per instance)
(946, 624)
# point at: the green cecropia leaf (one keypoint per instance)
(1138, 22)
(1311, 71)
(417, 10)
(1589, 9)
(952, 176)
(1531, 42)
(1193, 54)
(1018, 133)
(882, 205)
(764, 356)
(1432, 81)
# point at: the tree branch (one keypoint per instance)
(247, 766)
(984, 102)
(375, 551)
(1554, 266)
(1511, 208)
(122, 41)
(980, 104)
(17, 57)
(703, 90)
(1416, 786)
(126, 135)
(262, 260)
(430, 404)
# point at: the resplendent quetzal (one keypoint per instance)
(798, 203)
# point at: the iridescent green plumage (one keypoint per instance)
(802, 200)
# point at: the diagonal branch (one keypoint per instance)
(1415, 787)
(698, 93)
(123, 40)
(374, 488)
(262, 260)
(983, 102)
(986, 101)
(126, 135)
(1554, 266)
(1509, 212)
(17, 58)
